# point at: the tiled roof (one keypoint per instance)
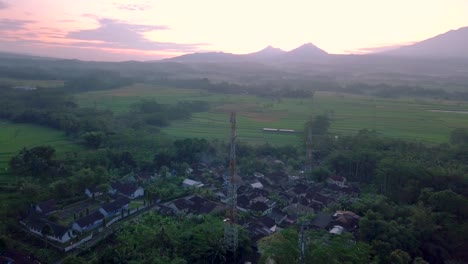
(90, 219)
(116, 205)
(47, 206)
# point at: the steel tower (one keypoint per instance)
(230, 227)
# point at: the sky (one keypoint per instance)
(156, 29)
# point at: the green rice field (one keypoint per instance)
(412, 119)
(14, 137)
(36, 83)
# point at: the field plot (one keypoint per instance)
(36, 83)
(400, 118)
(14, 137)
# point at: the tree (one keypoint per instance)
(400, 257)
(319, 125)
(459, 137)
(93, 139)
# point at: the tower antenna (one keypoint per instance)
(230, 223)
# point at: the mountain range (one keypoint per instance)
(452, 44)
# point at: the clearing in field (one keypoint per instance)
(409, 119)
(14, 137)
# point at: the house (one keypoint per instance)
(112, 208)
(298, 209)
(180, 206)
(36, 223)
(257, 184)
(258, 175)
(92, 192)
(46, 207)
(346, 219)
(164, 210)
(88, 222)
(299, 190)
(188, 183)
(261, 208)
(278, 216)
(25, 88)
(194, 205)
(337, 230)
(129, 190)
(322, 220)
(337, 180)
(268, 224)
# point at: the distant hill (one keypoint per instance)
(305, 52)
(452, 44)
(268, 52)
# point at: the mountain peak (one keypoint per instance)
(307, 49)
(452, 43)
(269, 51)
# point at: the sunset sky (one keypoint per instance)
(149, 30)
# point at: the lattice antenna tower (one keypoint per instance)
(230, 223)
(309, 154)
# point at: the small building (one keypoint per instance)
(46, 207)
(337, 230)
(112, 208)
(88, 222)
(257, 185)
(36, 223)
(188, 183)
(129, 190)
(268, 224)
(322, 220)
(337, 180)
(25, 88)
(298, 209)
(261, 208)
(346, 219)
(92, 192)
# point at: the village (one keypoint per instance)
(266, 203)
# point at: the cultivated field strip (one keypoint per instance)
(405, 118)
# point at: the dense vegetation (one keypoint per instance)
(414, 204)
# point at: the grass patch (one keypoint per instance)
(409, 119)
(14, 137)
(35, 83)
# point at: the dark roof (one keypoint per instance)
(47, 206)
(267, 222)
(277, 215)
(242, 189)
(337, 178)
(39, 221)
(243, 201)
(347, 219)
(197, 201)
(259, 206)
(207, 208)
(164, 210)
(116, 205)
(181, 204)
(89, 219)
(322, 220)
(125, 188)
(300, 188)
(262, 192)
(322, 198)
(279, 175)
(144, 175)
